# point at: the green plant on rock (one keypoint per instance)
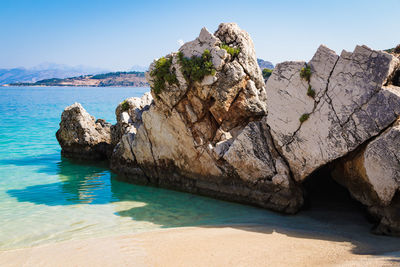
(397, 49)
(194, 69)
(124, 106)
(234, 52)
(304, 117)
(389, 50)
(162, 74)
(266, 73)
(310, 92)
(305, 73)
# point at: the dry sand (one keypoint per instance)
(212, 246)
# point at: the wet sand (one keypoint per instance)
(213, 246)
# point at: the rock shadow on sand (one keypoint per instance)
(83, 183)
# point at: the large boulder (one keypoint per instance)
(332, 113)
(82, 136)
(205, 135)
(372, 175)
(211, 126)
(317, 119)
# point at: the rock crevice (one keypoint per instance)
(346, 114)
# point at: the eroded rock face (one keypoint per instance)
(129, 118)
(230, 136)
(372, 175)
(351, 105)
(354, 101)
(205, 136)
(253, 157)
(82, 136)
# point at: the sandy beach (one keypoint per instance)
(211, 246)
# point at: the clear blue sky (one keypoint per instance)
(117, 34)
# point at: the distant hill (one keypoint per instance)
(117, 79)
(264, 64)
(61, 75)
(44, 71)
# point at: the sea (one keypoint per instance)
(45, 197)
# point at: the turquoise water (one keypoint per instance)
(46, 198)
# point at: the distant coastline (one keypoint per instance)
(111, 79)
(19, 77)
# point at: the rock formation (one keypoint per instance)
(213, 127)
(81, 136)
(372, 175)
(129, 116)
(129, 119)
(205, 135)
(351, 104)
(353, 100)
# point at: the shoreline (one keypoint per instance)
(211, 246)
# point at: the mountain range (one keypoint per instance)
(49, 71)
(50, 74)
(264, 64)
(114, 79)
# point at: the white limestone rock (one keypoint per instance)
(354, 106)
(195, 136)
(377, 165)
(129, 116)
(82, 136)
(129, 119)
(254, 158)
(372, 175)
(231, 34)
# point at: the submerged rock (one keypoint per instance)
(82, 136)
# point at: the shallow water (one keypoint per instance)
(45, 197)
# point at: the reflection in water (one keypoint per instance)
(92, 183)
(44, 198)
(79, 184)
(88, 200)
(84, 183)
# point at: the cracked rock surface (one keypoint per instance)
(233, 137)
(352, 104)
(129, 116)
(206, 136)
(129, 119)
